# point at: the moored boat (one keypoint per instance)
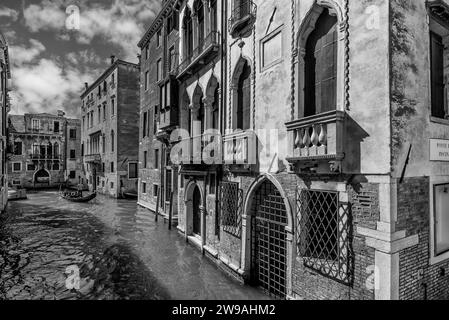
(78, 196)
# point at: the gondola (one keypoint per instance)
(129, 195)
(78, 197)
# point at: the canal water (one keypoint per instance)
(118, 248)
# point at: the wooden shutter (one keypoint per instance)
(437, 75)
(321, 66)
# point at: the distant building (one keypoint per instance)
(5, 75)
(44, 150)
(110, 129)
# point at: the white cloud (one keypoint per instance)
(121, 23)
(46, 16)
(47, 86)
(26, 54)
(8, 12)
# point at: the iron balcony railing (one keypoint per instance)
(39, 156)
(242, 14)
(204, 47)
(317, 137)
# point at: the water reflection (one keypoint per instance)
(121, 252)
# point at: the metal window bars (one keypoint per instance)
(231, 206)
(325, 234)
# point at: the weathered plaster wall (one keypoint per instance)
(410, 92)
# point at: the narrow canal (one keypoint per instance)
(121, 253)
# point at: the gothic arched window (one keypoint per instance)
(320, 71)
(188, 33)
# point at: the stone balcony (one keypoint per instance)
(317, 138)
(92, 158)
(240, 148)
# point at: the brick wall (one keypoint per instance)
(418, 279)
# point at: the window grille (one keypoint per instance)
(231, 202)
(325, 234)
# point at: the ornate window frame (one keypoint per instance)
(304, 31)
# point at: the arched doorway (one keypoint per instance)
(42, 176)
(269, 239)
(196, 212)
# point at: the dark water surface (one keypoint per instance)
(119, 249)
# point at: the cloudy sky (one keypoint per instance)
(51, 58)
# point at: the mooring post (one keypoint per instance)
(170, 212)
(157, 204)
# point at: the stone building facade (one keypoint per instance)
(109, 126)
(44, 151)
(331, 177)
(5, 76)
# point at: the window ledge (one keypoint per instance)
(439, 120)
(438, 259)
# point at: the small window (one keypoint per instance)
(159, 70)
(17, 166)
(155, 190)
(145, 124)
(441, 218)
(104, 112)
(55, 167)
(72, 133)
(16, 182)
(147, 52)
(56, 126)
(18, 148)
(72, 175)
(112, 185)
(112, 107)
(325, 240)
(147, 79)
(72, 154)
(112, 167)
(144, 187)
(132, 170)
(145, 159)
(35, 124)
(156, 159)
(212, 183)
(31, 167)
(159, 38)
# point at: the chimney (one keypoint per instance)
(139, 57)
(61, 113)
(86, 85)
(112, 59)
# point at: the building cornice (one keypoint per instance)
(106, 73)
(168, 7)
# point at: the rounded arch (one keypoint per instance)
(42, 175)
(255, 187)
(301, 93)
(250, 223)
(309, 21)
(192, 213)
(190, 187)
